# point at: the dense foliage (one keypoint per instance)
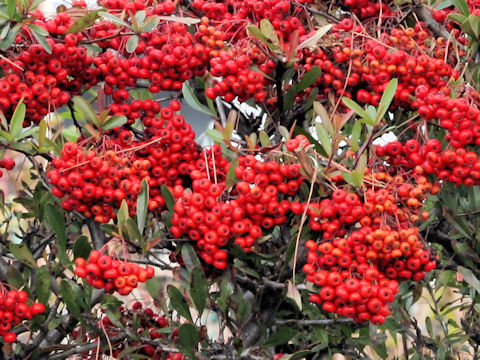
(337, 210)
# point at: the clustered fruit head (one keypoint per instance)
(13, 310)
(94, 177)
(104, 272)
(7, 164)
(147, 324)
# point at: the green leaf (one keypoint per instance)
(470, 278)
(181, 19)
(458, 18)
(199, 289)
(114, 121)
(354, 178)
(154, 287)
(352, 105)
(12, 34)
(11, 8)
(460, 224)
(264, 139)
(231, 178)
(26, 132)
(56, 221)
(192, 99)
(87, 109)
(256, 32)
(84, 22)
(294, 294)
(42, 40)
(312, 41)
(188, 337)
(142, 206)
(283, 335)
(307, 80)
(81, 247)
(114, 19)
(14, 277)
(168, 197)
(140, 17)
(215, 134)
(71, 133)
(178, 302)
(189, 257)
(269, 32)
(23, 254)
(70, 300)
(110, 305)
(461, 6)
(386, 100)
(16, 122)
(324, 138)
(151, 23)
(38, 29)
(132, 44)
(42, 284)
(4, 32)
(324, 117)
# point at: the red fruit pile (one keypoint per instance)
(104, 272)
(254, 204)
(96, 176)
(458, 166)
(13, 310)
(142, 321)
(368, 245)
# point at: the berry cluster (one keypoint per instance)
(142, 321)
(458, 166)
(95, 177)
(254, 204)
(13, 310)
(104, 272)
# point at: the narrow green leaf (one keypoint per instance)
(84, 22)
(461, 6)
(470, 278)
(307, 80)
(56, 221)
(42, 40)
(188, 336)
(283, 335)
(151, 23)
(38, 29)
(181, 19)
(168, 197)
(456, 17)
(114, 121)
(114, 19)
(264, 139)
(256, 32)
(15, 277)
(192, 99)
(178, 302)
(142, 206)
(11, 8)
(231, 179)
(70, 300)
(198, 289)
(269, 32)
(87, 109)
(4, 32)
(312, 41)
(81, 247)
(26, 133)
(12, 34)
(354, 178)
(132, 44)
(23, 254)
(294, 294)
(323, 114)
(352, 105)
(284, 132)
(154, 287)
(189, 257)
(324, 138)
(16, 122)
(215, 134)
(386, 99)
(356, 132)
(42, 284)
(140, 17)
